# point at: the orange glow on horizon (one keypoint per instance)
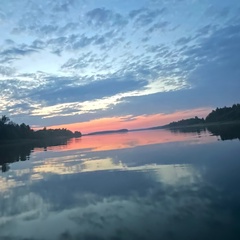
(129, 122)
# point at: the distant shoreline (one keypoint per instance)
(106, 132)
(202, 125)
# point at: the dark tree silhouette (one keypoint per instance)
(224, 114)
(10, 131)
(4, 119)
(186, 122)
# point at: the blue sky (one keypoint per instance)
(72, 61)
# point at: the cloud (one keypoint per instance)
(51, 15)
(216, 58)
(9, 42)
(83, 41)
(7, 71)
(145, 17)
(207, 60)
(56, 93)
(13, 53)
(135, 13)
(76, 42)
(215, 11)
(102, 17)
(183, 40)
(38, 44)
(63, 5)
(68, 28)
(158, 26)
(84, 61)
(75, 63)
(205, 31)
(48, 29)
(170, 101)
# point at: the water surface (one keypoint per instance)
(136, 185)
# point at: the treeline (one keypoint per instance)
(186, 122)
(10, 131)
(225, 114)
(56, 133)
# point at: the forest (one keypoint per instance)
(13, 131)
(224, 114)
(219, 115)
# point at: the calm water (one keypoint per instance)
(136, 185)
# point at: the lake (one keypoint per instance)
(138, 185)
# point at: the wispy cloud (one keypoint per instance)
(102, 17)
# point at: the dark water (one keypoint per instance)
(137, 185)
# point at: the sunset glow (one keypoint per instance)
(130, 122)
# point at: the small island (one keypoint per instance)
(108, 132)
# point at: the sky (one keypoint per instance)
(92, 65)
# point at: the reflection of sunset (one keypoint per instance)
(128, 140)
(130, 122)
